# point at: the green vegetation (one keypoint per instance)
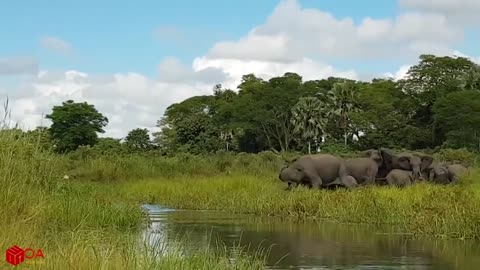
(80, 225)
(75, 124)
(422, 209)
(77, 196)
(425, 110)
(435, 106)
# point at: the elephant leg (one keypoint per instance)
(290, 186)
(315, 180)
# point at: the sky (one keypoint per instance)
(132, 59)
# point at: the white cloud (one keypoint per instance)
(442, 5)
(460, 11)
(236, 68)
(18, 65)
(292, 32)
(400, 74)
(55, 44)
(473, 59)
(172, 70)
(292, 39)
(129, 100)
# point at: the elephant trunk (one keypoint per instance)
(417, 174)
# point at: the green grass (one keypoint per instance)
(421, 209)
(92, 220)
(81, 225)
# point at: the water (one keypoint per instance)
(309, 245)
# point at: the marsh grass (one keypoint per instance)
(114, 168)
(79, 225)
(92, 219)
(421, 209)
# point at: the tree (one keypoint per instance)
(189, 126)
(458, 114)
(138, 140)
(308, 118)
(75, 124)
(385, 117)
(343, 99)
(432, 78)
(109, 146)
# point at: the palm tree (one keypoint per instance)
(342, 100)
(308, 119)
(226, 136)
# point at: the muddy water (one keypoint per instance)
(308, 245)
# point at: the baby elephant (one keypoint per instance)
(456, 171)
(400, 178)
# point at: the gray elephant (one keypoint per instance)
(434, 171)
(317, 171)
(364, 170)
(375, 155)
(382, 171)
(347, 182)
(456, 171)
(400, 178)
(402, 161)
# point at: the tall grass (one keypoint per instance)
(421, 209)
(79, 225)
(134, 167)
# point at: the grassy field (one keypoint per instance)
(79, 224)
(422, 209)
(92, 219)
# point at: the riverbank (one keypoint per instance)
(84, 211)
(72, 224)
(85, 226)
(422, 209)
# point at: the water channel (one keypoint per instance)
(309, 245)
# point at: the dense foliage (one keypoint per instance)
(435, 105)
(75, 124)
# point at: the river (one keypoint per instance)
(308, 244)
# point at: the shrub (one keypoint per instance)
(462, 156)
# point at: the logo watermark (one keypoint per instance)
(16, 255)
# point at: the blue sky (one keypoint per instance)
(120, 36)
(108, 52)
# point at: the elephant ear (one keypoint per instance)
(426, 162)
(404, 162)
(387, 156)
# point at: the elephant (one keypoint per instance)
(317, 171)
(434, 171)
(456, 171)
(375, 155)
(347, 182)
(364, 170)
(402, 161)
(382, 171)
(400, 178)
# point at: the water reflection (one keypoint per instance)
(309, 245)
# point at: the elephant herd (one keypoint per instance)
(376, 167)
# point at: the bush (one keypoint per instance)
(462, 156)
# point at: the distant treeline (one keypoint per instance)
(437, 105)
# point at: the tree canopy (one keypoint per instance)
(287, 113)
(437, 104)
(75, 124)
